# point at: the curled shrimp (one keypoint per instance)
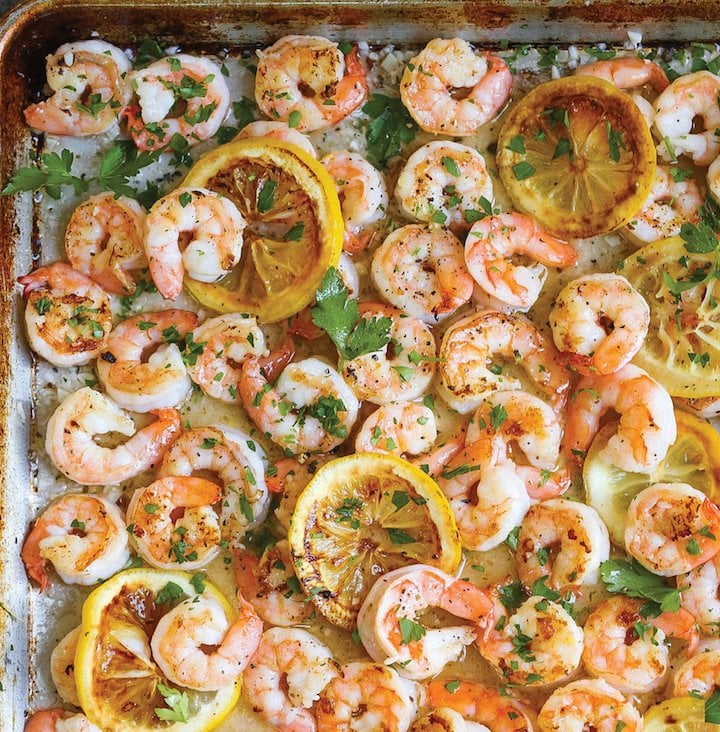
(397, 600)
(699, 675)
(176, 95)
(212, 227)
(493, 242)
(422, 271)
(441, 182)
(62, 667)
(58, 720)
(627, 73)
(82, 535)
(160, 382)
(473, 353)
(85, 414)
(701, 595)
(285, 677)
(277, 131)
(404, 428)
(197, 645)
(88, 81)
(599, 322)
(647, 422)
(67, 316)
(450, 89)
(310, 79)
(672, 528)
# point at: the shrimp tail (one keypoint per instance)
(442, 455)
(354, 243)
(548, 486)
(32, 559)
(680, 624)
(301, 324)
(465, 600)
(272, 365)
(283, 468)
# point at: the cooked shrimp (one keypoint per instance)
(599, 322)
(198, 646)
(104, 240)
(277, 131)
(713, 178)
(441, 182)
(306, 80)
(589, 704)
(434, 462)
(363, 196)
(404, 428)
(224, 343)
(58, 720)
(627, 649)
(705, 407)
(67, 315)
(160, 382)
(401, 370)
(422, 271)
(627, 73)
(271, 587)
(450, 89)
(84, 415)
(367, 696)
(472, 356)
(211, 228)
(564, 542)
(82, 535)
(689, 98)
(647, 423)
(285, 677)
(396, 602)
(89, 85)
(699, 676)
(701, 595)
(491, 246)
(672, 528)
(62, 667)
(443, 719)
(289, 480)
(670, 204)
(177, 95)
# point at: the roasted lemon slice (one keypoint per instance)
(119, 685)
(694, 458)
(295, 226)
(682, 347)
(361, 516)
(682, 714)
(577, 154)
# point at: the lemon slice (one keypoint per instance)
(682, 714)
(694, 458)
(682, 347)
(577, 154)
(117, 680)
(361, 516)
(295, 226)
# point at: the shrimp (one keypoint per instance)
(86, 413)
(647, 425)
(450, 89)
(405, 428)
(221, 346)
(198, 646)
(704, 407)
(104, 240)
(393, 633)
(672, 528)
(82, 535)
(401, 370)
(67, 316)
(307, 80)
(713, 179)
(701, 595)
(363, 196)
(442, 719)
(89, 85)
(699, 676)
(539, 645)
(627, 649)
(689, 98)
(471, 354)
(270, 585)
(441, 182)
(173, 524)
(289, 481)
(210, 225)
(589, 704)
(160, 382)
(177, 95)
(285, 677)
(367, 696)
(62, 667)
(422, 271)
(58, 720)
(670, 204)
(491, 245)
(599, 322)
(277, 131)
(563, 542)
(627, 73)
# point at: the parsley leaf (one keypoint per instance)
(699, 238)
(410, 631)
(712, 708)
(391, 128)
(178, 703)
(53, 173)
(632, 579)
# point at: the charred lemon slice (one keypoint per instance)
(694, 458)
(361, 516)
(577, 154)
(119, 685)
(682, 714)
(295, 226)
